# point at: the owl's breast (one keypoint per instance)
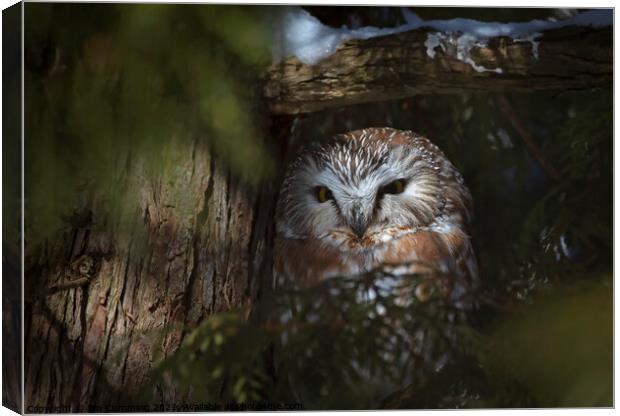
(307, 262)
(310, 261)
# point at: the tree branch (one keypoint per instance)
(511, 115)
(398, 66)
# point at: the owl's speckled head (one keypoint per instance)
(364, 188)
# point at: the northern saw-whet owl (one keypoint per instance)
(371, 198)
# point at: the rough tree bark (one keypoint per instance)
(398, 66)
(102, 311)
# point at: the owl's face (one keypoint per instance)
(359, 191)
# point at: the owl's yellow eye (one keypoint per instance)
(323, 194)
(396, 187)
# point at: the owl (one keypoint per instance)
(374, 198)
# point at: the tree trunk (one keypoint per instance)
(100, 318)
(398, 66)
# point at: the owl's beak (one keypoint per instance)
(358, 223)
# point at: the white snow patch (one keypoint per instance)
(433, 40)
(304, 36)
(300, 34)
(458, 46)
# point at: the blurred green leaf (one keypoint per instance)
(561, 347)
(107, 84)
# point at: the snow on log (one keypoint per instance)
(326, 67)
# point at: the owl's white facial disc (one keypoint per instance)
(359, 193)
